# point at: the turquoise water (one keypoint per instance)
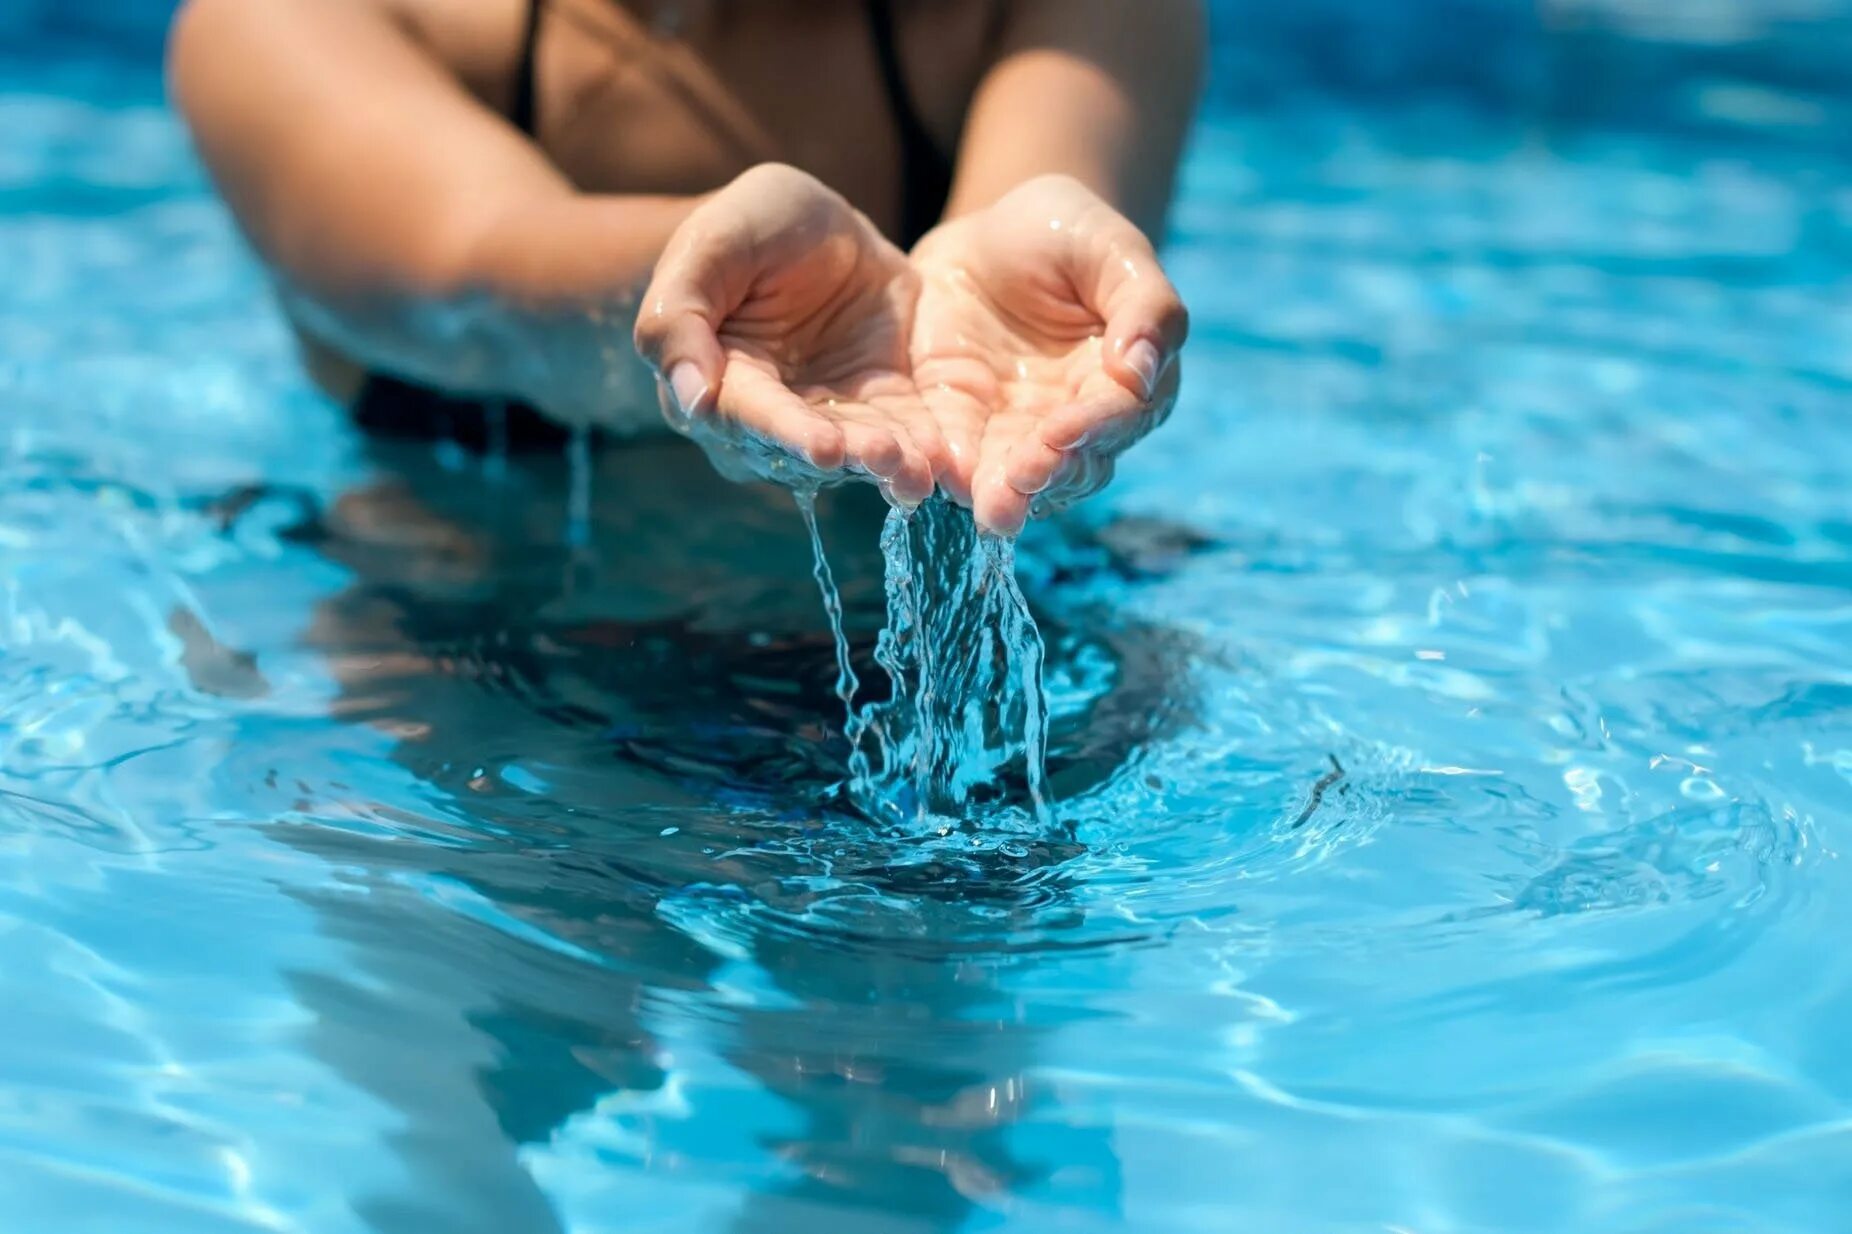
(384, 848)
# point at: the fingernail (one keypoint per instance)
(895, 499)
(825, 450)
(688, 387)
(1142, 358)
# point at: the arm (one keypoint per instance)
(1100, 90)
(408, 223)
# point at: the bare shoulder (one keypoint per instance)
(475, 41)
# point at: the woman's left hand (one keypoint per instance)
(1045, 342)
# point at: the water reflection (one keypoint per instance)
(627, 850)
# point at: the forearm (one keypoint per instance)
(539, 308)
(1100, 90)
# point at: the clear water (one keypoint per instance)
(377, 852)
(960, 734)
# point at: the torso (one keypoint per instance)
(680, 96)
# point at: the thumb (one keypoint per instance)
(1146, 323)
(685, 353)
(676, 329)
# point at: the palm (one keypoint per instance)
(817, 366)
(778, 320)
(994, 359)
(1016, 352)
(1023, 347)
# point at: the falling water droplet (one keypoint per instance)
(579, 499)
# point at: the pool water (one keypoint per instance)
(1450, 730)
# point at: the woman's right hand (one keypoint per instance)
(780, 317)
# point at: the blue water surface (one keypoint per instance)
(374, 859)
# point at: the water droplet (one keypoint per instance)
(579, 500)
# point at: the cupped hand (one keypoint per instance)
(1044, 343)
(779, 322)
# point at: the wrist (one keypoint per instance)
(573, 252)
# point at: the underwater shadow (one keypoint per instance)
(622, 756)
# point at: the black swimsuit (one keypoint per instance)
(398, 408)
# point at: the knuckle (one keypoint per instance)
(649, 337)
(1167, 317)
(826, 447)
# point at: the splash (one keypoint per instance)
(963, 734)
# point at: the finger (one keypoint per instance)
(696, 284)
(1112, 417)
(957, 473)
(959, 419)
(922, 446)
(1146, 323)
(753, 403)
(1055, 478)
(881, 440)
(1082, 474)
(1031, 465)
(681, 346)
(924, 432)
(912, 482)
(995, 505)
(871, 449)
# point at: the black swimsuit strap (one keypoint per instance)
(925, 171)
(525, 113)
(393, 407)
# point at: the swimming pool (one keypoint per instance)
(373, 858)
